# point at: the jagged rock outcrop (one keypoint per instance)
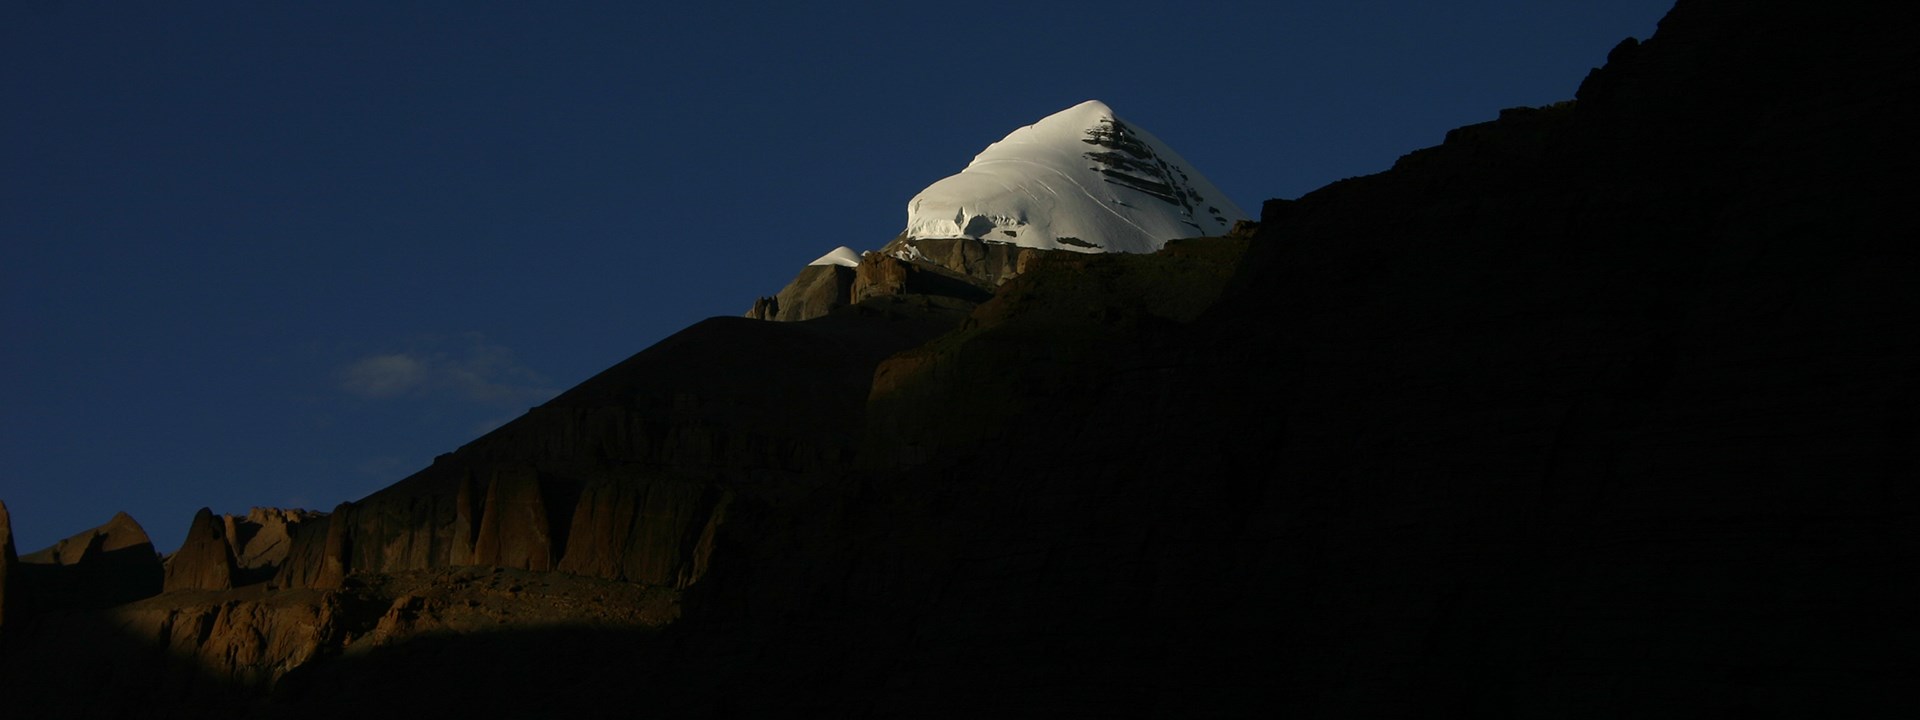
(880, 275)
(319, 555)
(960, 268)
(205, 559)
(119, 533)
(816, 291)
(291, 653)
(991, 264)
(180, 654)
(99, 567)
(963, 269)
(8, 559)
(263, 537)
(240, 642)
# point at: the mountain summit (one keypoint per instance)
(1080, 179)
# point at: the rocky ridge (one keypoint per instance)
(98, 567)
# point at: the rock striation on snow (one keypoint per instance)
(1081, 179)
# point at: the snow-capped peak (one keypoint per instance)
(843, 256)
(1080, 179)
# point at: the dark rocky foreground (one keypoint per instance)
(1605, 409)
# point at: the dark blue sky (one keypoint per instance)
(285, 253)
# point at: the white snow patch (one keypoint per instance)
(909, 252)
(1080, 179)
(843, 256)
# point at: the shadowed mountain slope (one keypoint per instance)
(1595, 410)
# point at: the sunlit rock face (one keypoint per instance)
(97, 567)
(262, 538)
(205, 559)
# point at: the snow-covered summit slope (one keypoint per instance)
(1080, 179)
(843, 256)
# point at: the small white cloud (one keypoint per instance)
(464, 368)
(383, 376)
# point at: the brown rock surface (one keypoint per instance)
(816, 291)
(961, 269)
(991, 264)
(205, 559)
(263, 537)
(467, 514)
(651, 534)
(102, 566)
(296, 653)
(880, 275)
(336, 555)
(514, 529)
(239, 639)
(119, 533)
